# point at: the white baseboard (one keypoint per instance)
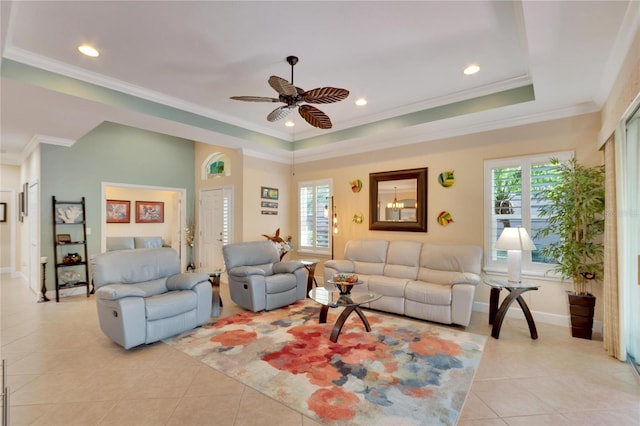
(542, 317)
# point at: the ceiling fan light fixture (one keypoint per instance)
(289, 123)
(88, 50)
(471, 69)
(361, 102)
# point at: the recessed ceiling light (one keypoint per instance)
(289, 123)
(85, 49)
(471, 69)
(361, 102)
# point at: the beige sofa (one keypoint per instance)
(434, 282)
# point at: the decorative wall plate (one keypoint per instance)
(446, 178)
(444, 218)
(358, 218)
(356, 185)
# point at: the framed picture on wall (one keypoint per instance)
(149, 211)
(3, 212)
(25, 200)
(269, 193)
(118, 211)
(269, 204)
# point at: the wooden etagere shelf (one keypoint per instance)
(70, 245)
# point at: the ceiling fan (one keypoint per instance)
(294, 97)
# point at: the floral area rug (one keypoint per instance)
(403, 372)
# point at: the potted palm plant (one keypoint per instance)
(574, 210)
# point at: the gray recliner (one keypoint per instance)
(258, 280)
(142, 297)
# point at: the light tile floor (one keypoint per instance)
(64, 371)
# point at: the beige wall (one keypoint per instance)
(258, 173)
(133, 229)
(625, 89)
(10, 186)
(464, 200)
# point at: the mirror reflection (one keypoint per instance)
(397, 200)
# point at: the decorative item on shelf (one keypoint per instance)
(356, 185)
(446, 178)
(514, 240)
(358, 218)
(70, 278)
(444, 218)
(284, 246)
(71, 258)
(189, 236)
(70, 214)
(63, 238)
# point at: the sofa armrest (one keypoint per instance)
(118, 291)
(245, 271)
(287, 267)
(185, 281)
(340, 265)
(466, 278)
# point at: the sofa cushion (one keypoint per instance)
(170, 304)
(120, 243)
(428, 293)
(388, 286)
(134, 266)
(118, 291)
(148, 242)
(368, 256)
(279, 283)
(451, 257)
(403, 259)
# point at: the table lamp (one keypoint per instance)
(514, 240)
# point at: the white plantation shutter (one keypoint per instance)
(511, 187)
(314, 207)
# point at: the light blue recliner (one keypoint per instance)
(258, 280)
(142, 297)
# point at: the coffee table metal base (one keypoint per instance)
(337, 327)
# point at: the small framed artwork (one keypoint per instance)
(269, 204)
(270, 212)
(269, 193)
(3, 212)
(63, 238)
(118, 211)
(149, 212)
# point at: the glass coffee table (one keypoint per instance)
(349, 301)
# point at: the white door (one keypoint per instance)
(215, 227)
(33, 214)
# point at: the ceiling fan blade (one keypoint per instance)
(314, 116)
(279, 113)
(325, 95)
(254, 99)
(282, 86)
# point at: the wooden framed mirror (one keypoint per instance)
(398, 200)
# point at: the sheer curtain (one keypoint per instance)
(627, 165)
(611, 291)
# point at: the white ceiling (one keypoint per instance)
(406, 58)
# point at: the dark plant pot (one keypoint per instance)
(581, 308)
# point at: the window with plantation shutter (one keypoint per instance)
(512, 186)
(314, 205)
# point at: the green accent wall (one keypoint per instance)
(110, 153)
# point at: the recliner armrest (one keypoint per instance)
(118, 291)
(287, 267)
(340, 265)
(245, 271)
(466, 278)
(185, 281)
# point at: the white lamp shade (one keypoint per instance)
(515, 239)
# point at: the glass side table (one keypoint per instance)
(496, 315)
